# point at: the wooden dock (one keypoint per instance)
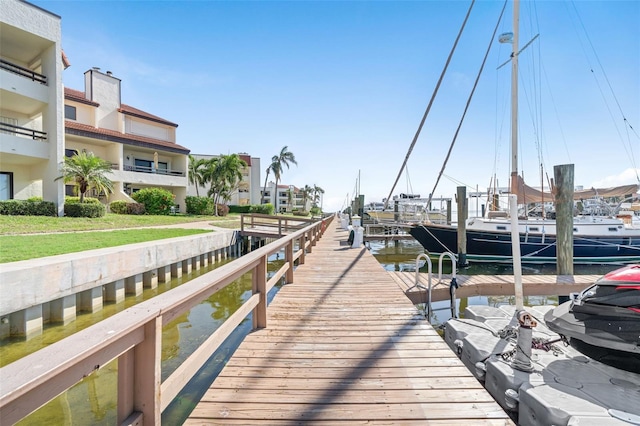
(344, 344)
(489, 285)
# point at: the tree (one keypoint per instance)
(317, 194)
(224, 174)
(277, 162)
(306, 193)
(264, 190)
(196, 172)
(87, 172)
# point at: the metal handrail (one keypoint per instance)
(22, 71)
(23, 131)
(418, 284)
(454, 283)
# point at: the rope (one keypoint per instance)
(426, 113)
(435, 238)
(466, 107)
(604, 243)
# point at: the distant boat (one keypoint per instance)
(596, 239)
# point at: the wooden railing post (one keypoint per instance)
(241, 222)
(288, 255)
(125, 385)
(139, 378)
(310, 238)
(148, 373)
(301, 243)
(259, 280)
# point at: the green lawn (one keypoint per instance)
(30, 237)
(39, 224)
(22, 247)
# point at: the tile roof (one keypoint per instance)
(78, 96)
(79, 129)
(246, 158)
(135, 112)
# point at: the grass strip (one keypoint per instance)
(23, 247)
(39, 224)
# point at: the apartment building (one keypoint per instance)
(289, 197)
(31, 103)
(141, 147)
(248, 191)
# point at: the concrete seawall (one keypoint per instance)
(57, 280)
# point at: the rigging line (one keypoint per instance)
(433, 96)
(613, 94)
(459, 182)
(466, 107)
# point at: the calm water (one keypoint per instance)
(93, 401)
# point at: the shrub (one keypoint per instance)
(300, 213)
(262, 208)
(84, 210)
(28, 208)
(32, 199)
(222, 209)
(156, 200)
(199, 205)
(87, 200)
(240, 209)
(118, 207)
(135, 208)
(123, 207)
(315, 211)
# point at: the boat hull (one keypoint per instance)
(495, 247)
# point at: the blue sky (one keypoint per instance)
(345, 84)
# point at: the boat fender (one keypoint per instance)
(452, 296)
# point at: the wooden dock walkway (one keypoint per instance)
(490, 285)
(343, 344)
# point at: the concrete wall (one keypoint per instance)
(30, 283)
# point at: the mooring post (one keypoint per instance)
(563, 176)
(462, 225)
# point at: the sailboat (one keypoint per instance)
(597, 239)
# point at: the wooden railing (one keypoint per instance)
(271, 225)
(134, 338)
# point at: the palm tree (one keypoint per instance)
(224, 173)
(277, 162)
(196, 172)
(306, 192)
(317, 192)
(264, 190)
(87, 172)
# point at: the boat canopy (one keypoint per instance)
(527, 194)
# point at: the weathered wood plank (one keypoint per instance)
(344, 344)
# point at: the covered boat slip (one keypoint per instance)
(344, 344)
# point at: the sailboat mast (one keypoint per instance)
(514, 98)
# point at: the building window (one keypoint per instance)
(69, 112)
(148, 166)
(6, 185)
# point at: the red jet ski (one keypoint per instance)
(603, 321)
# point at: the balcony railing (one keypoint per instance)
(24, 72)
(145, 169)
(23, 131)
